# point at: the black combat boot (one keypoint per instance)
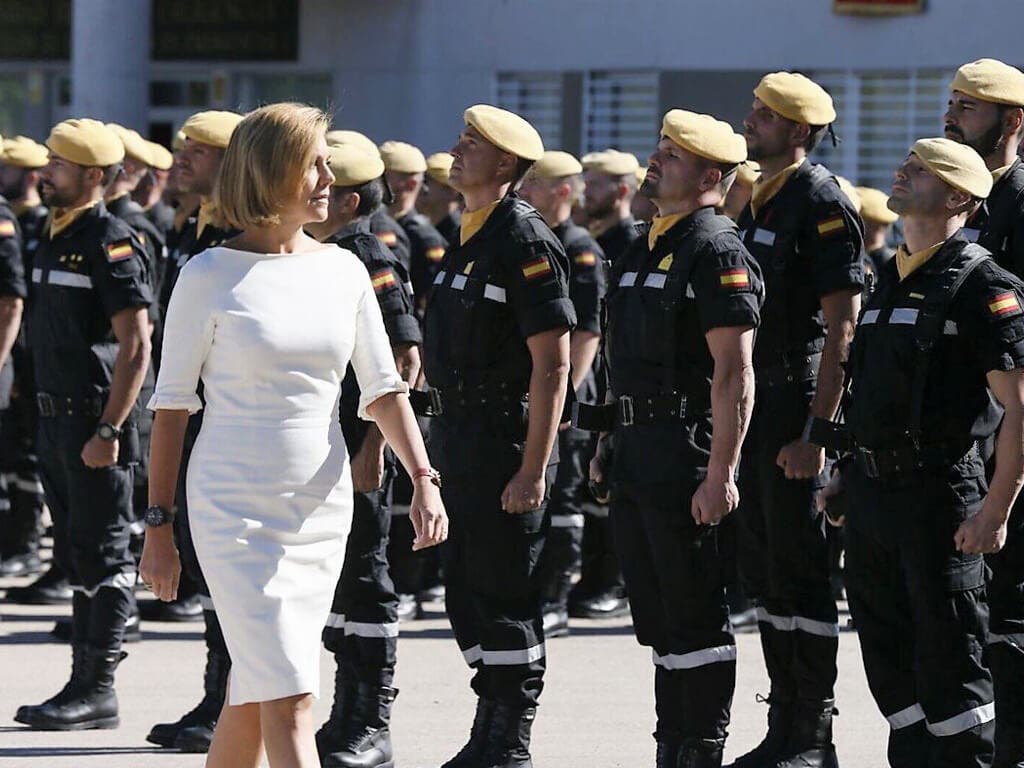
(91, 703)
(471, 755)
(701, 753)
(331, 736)
(27, 713)
(780, 719)
(367, 735)
(202, 719)
(51, 588)
(508, 743)
(810, 737)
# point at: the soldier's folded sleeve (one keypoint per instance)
(538, 288)
(835, 242)
(727, 287)
(119, 275)
(189, 330)
(587, 286)
(372, 359)
(992, 316)
(12, 270)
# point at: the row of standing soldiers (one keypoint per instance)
(663, 320)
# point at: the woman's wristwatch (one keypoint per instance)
(428, 472)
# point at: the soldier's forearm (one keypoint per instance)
(10, 323)
(829, 390)
(126, 380)
(732, 398)
(548, 381)
(1009, 470)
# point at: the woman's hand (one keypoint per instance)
(429, 520)
(160, 566)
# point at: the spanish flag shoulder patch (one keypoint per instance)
(383, 279)
(536, 268)
(585, 259)
(7, 228)
(736, 279)
(833, 225)
(1004, 304)
(388, 238)
(435, 253)
(119, 250)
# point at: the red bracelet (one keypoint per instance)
(428, 472)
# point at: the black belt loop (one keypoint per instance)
(50, 406)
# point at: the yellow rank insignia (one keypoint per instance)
(736, 279)
(918, 296)
(468, 268)
(665, 264)
(832, 226)
(382, 279)
(435, 253)
(1004, 304)
(585, 259)
(7, 228)
(120, 250)
(388, 238)
(536, 268)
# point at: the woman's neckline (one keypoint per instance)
(325, 247)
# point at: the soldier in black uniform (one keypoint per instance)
(552, 187)
(20, 162)
(362, 631)
(682, 308)
(90, 347)
(438, 201)
(496, 336)
(609, 184)
(986, 112)
(742, 188)
(196, 167)
(150, 191)
(406, 166)
(806, 235)
(878, 220)
(919, 514)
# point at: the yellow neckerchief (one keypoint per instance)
(598, 228)
(115, 197)
(907, 263)
(62, 218)
(660, 225)
(208, 215)
(766, 189)
(998, 173)
(473, 221)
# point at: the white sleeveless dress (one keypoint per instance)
(269, 488)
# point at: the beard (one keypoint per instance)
(989, 142)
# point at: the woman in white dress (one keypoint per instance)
(269, 322)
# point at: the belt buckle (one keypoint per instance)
(45, 404)
(870, 463)
(626, 413)
(436, 408)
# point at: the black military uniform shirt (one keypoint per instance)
(587, 279)
(83, 277)
(998, 223)
(618, 237)
(189, 242)
(809, 241)
(32, 222)
(392, 235)
(162, 216)
(12, 282)
(427, 248)
(874, 263)
(390, 286)
(450, 225)
(983, 331)
(131, 213)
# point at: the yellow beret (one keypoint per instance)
(796, 98)
(402, 158)
(990, 80)
(213, 127)
(86, 142)
(159, 156)
(439, 165)
(705, 136)
(135, 146)
(339, 138)
(874, 206)
(556, 165)
(506, 130)
(956, 164)
(22, 152)
(612, 162)
(353, 165)
(178, 142)
(748, 172)
(850, 191)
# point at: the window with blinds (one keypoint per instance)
(880, 114)
(620, 110)
(537, 97)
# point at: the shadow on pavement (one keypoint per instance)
(72, 751)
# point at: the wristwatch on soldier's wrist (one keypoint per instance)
(156, 516)
(107, 431)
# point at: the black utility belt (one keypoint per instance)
(434, 402)
(628, 411)
(884, 462)
(790, 369)
(59, 405)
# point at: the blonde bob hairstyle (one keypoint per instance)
(269, 152)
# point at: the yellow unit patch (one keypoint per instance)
(468, 268)
(831, 226)
(586, 259)
(665, 264)
(435, 254)
(7, 228)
